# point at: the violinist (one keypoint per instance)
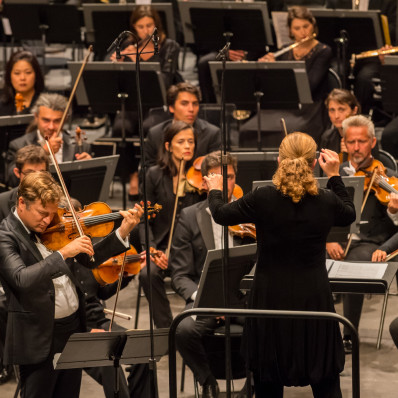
(359, 138)
(179, 142)
(45, 304)
(195, 234)
(48, 111)
(22, 76)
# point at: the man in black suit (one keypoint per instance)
(48, 111)
(195, 234)
(183, 101)
(45, 303)
(27, 160)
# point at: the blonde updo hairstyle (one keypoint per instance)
(294, 176)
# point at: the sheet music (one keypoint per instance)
(279, 20)
(343, 269)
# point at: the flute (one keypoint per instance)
(293, 45)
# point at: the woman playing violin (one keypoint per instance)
(179, 143)
(293, 219)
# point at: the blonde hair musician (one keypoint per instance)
(293, 219)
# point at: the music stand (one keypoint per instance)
(240, 262)
(354, 187)
(115, 80)
(103, 22)
(84, 350)
(88, 180)
(249, 23)
(363, 28)
(389, 84)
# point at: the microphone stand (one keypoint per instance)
(223, 55)
(342, 45)
(152, 360)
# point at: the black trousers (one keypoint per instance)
(328, 388)
(162, 316)
(41, 380)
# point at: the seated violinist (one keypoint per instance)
(48, 111)
(45, 303)
(195, 234)
(359, 139)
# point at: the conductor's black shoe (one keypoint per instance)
(210, 391)
(347, 343)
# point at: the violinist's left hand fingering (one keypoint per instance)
(393, 203)
(131, 218)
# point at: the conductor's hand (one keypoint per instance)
(270, 57)
(131, 218)
(393, 203)
(55, 143)
(213, 181)
(79, 245)
(335, 251)
(379, 256)
(329, 162)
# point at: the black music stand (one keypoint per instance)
(356, 277)
(84, 350)
(263, 85)
(389, 84)
(11, 127)
(116, 92)
(103, 22)
(249, 23)
(88, 181)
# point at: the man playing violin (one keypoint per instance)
(195, 234)
(377, 220)
(48, 111)
(45, 303)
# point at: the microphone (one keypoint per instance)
(223, 52)
(155, 39)
(116, 42)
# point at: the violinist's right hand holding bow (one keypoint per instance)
(329, 162)
(379, 256)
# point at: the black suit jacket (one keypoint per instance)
(209, 139)
(193, 237)
(27, 281)
(7, 202)
(69, 150)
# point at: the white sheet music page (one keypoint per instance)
(347, 270)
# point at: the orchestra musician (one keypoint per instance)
(359, 138)
(23, 76)
(45, 303)
(195, 234)
(317, 57)
(179, 142)
(293, 219)
(48, 111)
(340, 104)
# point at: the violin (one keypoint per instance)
(383, 186)
(108, 272)
(95, 220)
(79, 139)
(194, 178)
(19, 102)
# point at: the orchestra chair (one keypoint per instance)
(387, 159)
(334, 80)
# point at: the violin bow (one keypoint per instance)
(180, 169)
(374, 174)
(72, 94)
(65, 190)
(283, 124)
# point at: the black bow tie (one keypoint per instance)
(33, 236)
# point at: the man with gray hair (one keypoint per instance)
(378, 221)
(48, 111)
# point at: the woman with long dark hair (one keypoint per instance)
(23, 76)
(293, 219)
